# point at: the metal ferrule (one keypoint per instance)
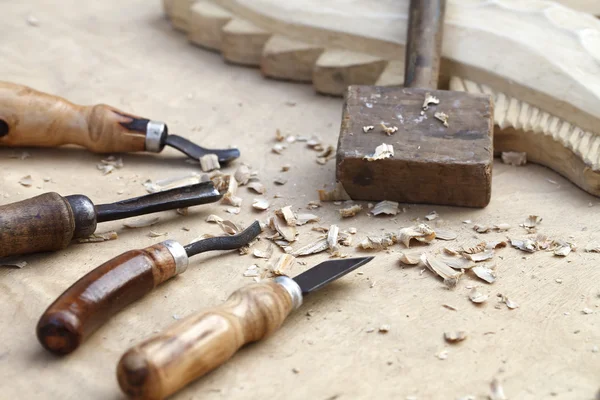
(292, 288)
(179, 255)
(84, 214)
(156, 134)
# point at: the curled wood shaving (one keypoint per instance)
(543, 242)
(285, 262)
(303, 219)
(332, 240)
(531, 223)
(286, 231)
(338, 193)
(477, 297)
(456, 262)
(327, 155)
(345, 239)
(264, 254)
(209, 162)
(497, 392)
(171, 183)
(350, 211)
(368, 128)
(527, 245)
(442, 116)
(562, 248)
(474, 249)
(385, 207)
(388, 130)
(444, 234)
(501, 227)
(485, 273)
(431, 216)
(312, 248)
(287, 214)
(252, 271)
(481, 228)
(214, 218)
(99, 237)
(481, 256)
(242, 175)
(495, 245)
(455, 337)
(509, 303)
(141, 222)
(422, 233)
(448, 274)
(377, 242)
(514, 158)
(227, 226)
(257, 187)
(260, 204)
(278, 148)
(429, 99)
(27, 181)
(410, 258)
(382, 151)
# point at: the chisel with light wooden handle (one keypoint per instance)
(106, 290)
(165, 363)
(29, 118)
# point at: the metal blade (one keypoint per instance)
(194, 151)
(328, 271)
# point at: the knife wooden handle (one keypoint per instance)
(42, 223)
(165, 363)
(103, 292)
(32, 118)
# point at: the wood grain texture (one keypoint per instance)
(37, 119)
(163, 364)
(97, 296)
(41, 223)
(432, 163)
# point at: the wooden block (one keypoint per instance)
(432, 163)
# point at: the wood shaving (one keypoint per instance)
(593, 248)
(501, 227)
(495, 245)
(481, 256)
(455, 337)
(257, 187)
(233, 210)
(509, 303)
(182, 211)
(327, 155)
(350, 211)
(442, 355)
(214, 218)
(229, 197)
(384, 328)
(368, 128)
(264, 254)
(377, 242)
(457, 263)
(303, 219)
(26, 181)
(171, 183)
(314, 142)
(481, 228)
(422, 233)
(286, 231)
(154, 234)
(412, 258)
(252, 271)
(382, 152)
(287, 214)
(332, 240)
(345, 239)
(531, 223)
(385, 207)
(260, 204)
(313, 205)
(228, 227)
(514, 158)
(33, 21)
(285, 167)
(242, 175)
(429, 99)
(312, 248)
(497, 392)
(278, 148)
(562, 248)
(474, 249)
(99, 237)
(321, 229)
(280, 181)
(450, 251)
(442, 117)
(338, 193)
(485, 273)
(278, 136)
(477, 297)
(527, 245)
(141, 222)
(448, 274)
(444, 234)
(587, 311)
(543, 242)
(13, 263)
(388, 130)
(285, 262)
(431, 216)
(209, 162)
(352, 231)
(290, 139)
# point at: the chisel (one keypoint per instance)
(106, 290)
(195, 345)
(36, 119)
(49, 222)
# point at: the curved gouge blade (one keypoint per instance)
(181, 197)
(326, 272)
(224, 242)
(194, 151)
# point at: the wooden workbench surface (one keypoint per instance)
(127, 55)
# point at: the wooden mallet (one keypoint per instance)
(442, 148)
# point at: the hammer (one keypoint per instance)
(417, 144)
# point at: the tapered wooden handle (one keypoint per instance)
(163, 364)
(100, 294)
(42, 223)
(32, 118)
(424, 44)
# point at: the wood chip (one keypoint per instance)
(444, 234)
(352, 231)
(495, 244)
(531, 223)
(509, 303)
(209, 162)
(455, 336)
(422, 233)
(278, 148)
(227, 226)
(171, 183)
(314, 143)
(303, 219)
(477, 297)
(260, 204)
(154, 234)
(384, 328)
(497, 392)
(26, 181)
(385, 207)
(442, 355)
(264, 254)
(285, 167)
(368, 128)
(285, 263)
(252, 271)
(233, 210)
(410, 258)
(481, 256)
(313, 205)
(593, 248)
(388, 130)
(99, 237)
(280, 181)
(350, 211)
(443, 117)
(431, 216)
(377, 242)
(448, 274)
(332, 240)
(286, 231)
(141, 222)
(287, 214)
(485, 273)
(501, 227)
(327, 155)
(345, 239)
(257, 187)
(456, 262)
(214, 218)
(481, 228)
(562, 248)
(382, 152)
(587, 311)
(527, 245)
(312, 248)
(278, 136)
(337, 194)
(514, 158)
(429, 99)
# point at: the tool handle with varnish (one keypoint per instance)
(192, 347)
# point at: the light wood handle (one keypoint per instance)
(165, 363)
(42, 223)
(103, 292)
(32, 118)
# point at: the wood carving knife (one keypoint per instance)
(109, 288)
(195, 345)
(35, 119)
(49, 222)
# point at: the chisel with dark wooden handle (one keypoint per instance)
(195, 345)
(49, 222)
(29, 118)
(106, 290)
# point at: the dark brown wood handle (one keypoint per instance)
(41, 223)
(100, 294)
(32, 118)
(165, 363)
(424, 43)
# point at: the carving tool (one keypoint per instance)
(432, 161)
(109, 288)
(49, 222)
(192, 347)
(32, 118)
